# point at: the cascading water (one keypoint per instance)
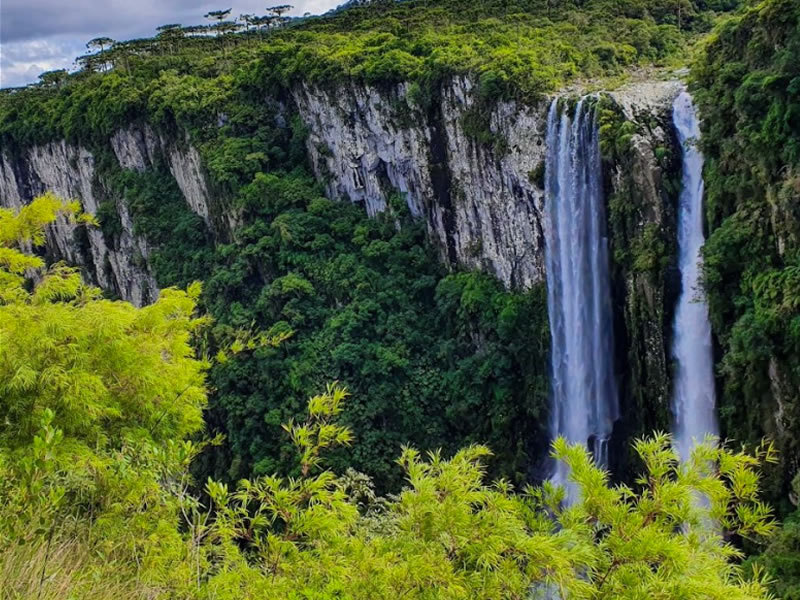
(693, 401)
(584, 393)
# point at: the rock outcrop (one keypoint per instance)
(643, 175)
(120, 266)
(481, 205)
(69, 172)
(139, 147)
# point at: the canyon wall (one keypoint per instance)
(473, 171)
(120, 265)
(482, 202)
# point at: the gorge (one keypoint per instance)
(483, 206)
(498, 245)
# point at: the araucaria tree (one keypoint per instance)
(218, 15)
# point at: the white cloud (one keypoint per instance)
(22, 62)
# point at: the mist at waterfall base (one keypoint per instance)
(693, 397)
(584, 394)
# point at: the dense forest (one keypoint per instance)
(98, 503)
(432, 384)
(172, 451)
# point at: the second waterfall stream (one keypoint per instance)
(693, 396)
(584, 393)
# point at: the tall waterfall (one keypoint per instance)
(693, 401)
(584, 393)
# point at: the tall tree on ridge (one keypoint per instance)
(218, 15)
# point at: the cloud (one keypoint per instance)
(22, 62)
(39, 35)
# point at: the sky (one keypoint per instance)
(40, 35)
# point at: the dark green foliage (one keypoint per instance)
(747, 85)
(108, 218)
(536, 175)
(181, 243)
(477, 126)
(433, 359)
(782, 559)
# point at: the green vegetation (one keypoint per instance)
(96, 399)
(781, 558)
(747, 86)
(99, 397)
(521, 49)
(434, 359)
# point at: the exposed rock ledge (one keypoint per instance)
(484, 208)
(120, 266)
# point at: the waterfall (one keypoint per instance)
(584, 394)
(693, 401)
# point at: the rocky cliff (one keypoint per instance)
(482, 205)
(120, 265)
(482, 202)
(69, 171)
(472, 170)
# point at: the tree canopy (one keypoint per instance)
(98, 400)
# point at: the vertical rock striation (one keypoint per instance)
(482, 205)
(120, 265)
(642, 171)
(69, 172)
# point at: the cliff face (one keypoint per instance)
(482, 202)
(69, 171)
(480, 205)
(473, 172)
(120, 265)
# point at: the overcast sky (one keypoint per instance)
(40, 35)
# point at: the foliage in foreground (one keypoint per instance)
(95, 491)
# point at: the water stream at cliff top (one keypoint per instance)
(584, 393)
(693, 397)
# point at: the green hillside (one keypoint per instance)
(102, 493)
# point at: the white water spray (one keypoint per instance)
(693, 401)
(584, 393)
